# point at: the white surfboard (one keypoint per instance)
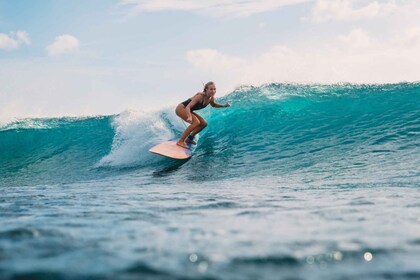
(172, 150)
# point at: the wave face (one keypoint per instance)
(48, 151)
(344, 132)
(328, 133)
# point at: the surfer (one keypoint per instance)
(185, 111)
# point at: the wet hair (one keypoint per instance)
(207, 85)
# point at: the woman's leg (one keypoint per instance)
(200, 126)
(182, 113)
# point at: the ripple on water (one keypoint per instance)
(279, 260)
(26, 233)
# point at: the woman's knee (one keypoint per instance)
(203, 124)
(195, 123)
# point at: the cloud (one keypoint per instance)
(343, 10)
(63, 44)
(23, 37)
(354, 57)
(357, 38)
(60, 90)
(208, 58)
(216, 8)
(410, 38)
(14, 40)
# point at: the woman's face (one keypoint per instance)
(211, 90)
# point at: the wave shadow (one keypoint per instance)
(171, 167)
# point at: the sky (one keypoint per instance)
(99, 57)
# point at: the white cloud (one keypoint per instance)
(410, 38)
(217, 8)
(61, 90)
(357, 38)
(63, 44)
(14, 40)
(212, 62)
(7, 43)
(355, 57)
(209, 58)
(23, 37)
(343, 10)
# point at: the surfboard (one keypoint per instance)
(172, 150)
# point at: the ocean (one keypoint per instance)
(290, 182)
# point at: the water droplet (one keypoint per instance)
(338, 256)
(310, 260)
(202, 266)
(368, 256)
(193, 258)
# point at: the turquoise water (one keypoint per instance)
(291, 182)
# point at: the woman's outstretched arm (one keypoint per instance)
(217, 105)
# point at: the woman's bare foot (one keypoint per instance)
(192, 142)
(182, 144)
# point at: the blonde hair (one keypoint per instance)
(207, 85)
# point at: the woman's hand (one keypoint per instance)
(227, 105)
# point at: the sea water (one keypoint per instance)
(290, 182)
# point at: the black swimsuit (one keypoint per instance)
(197, 106)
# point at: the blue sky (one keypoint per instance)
(105, 56)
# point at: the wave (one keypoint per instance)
(37, 151)
(317, 132)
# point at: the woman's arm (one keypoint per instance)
(194, 100)
(189, 116)
(217, 105)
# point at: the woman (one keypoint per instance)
(185, 111)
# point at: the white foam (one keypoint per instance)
(136, 132)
